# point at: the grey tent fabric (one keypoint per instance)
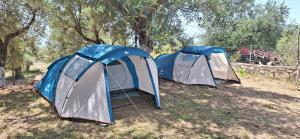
(196, 65)
(83, 82)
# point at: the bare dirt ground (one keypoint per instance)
(258, 108)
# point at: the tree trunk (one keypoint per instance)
(13, 75)
(135, 41)
(18, 73)
(4, 43)
(27, 67)
(145, 44)
(2, 77)
(144, 39)
(3, 53)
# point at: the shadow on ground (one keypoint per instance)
(231, 111)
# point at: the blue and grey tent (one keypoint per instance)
(196, 65)
(79, 85)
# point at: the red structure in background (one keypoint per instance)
(244, 51)
(257, 56)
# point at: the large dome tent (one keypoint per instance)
(196, 65)
(79, 85)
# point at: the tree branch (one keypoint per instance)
(21, 30)
(78, 28)
(98, 39)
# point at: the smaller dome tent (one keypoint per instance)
(196, 65)
(79, 85)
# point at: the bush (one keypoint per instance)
(166, 49)
(235, 57)
(242, 72)
(287, 50)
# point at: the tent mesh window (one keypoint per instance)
(191, 58)
(77, 67)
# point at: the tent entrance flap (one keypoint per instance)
(115, 79)
(119, 69)
(221, 67)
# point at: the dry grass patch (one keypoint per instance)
(259, 108)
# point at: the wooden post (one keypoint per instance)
(298, 53)
(298, 48)
(250, 61)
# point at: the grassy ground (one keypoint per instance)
(259, 108)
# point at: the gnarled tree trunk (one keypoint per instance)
(145, 43)
(141, 31)
(4, 44)
(3, 53)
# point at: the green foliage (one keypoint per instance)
(15, 54)
(157, 25)
(165, 49)
(152, 22)
(88, 20)
(21, 21)
(235, 57)
(242, 72)
(61, 44)
(241, 24)
(15, 14)
(287, 46)
(21, 52)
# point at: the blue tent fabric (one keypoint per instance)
(165, 62)
(165, 65)
(105, 54)
(47, 85)
(153, 85)
(203, 50)
(108, 53)
(107, 94)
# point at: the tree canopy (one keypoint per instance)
(237, 24)
(65, 26)
(17, 19)
(128, 22)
